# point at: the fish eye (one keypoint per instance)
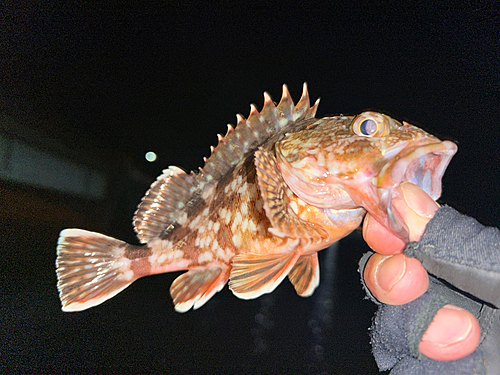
(369, 124)
(368, 127)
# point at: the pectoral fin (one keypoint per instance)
(275, 193)
(255, 274)
(195, 287)
(305, 275)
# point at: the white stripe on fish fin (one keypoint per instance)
(195, 287)
(304, 276)
(255, 274)
(91, 269)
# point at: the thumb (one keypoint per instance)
(416, 209)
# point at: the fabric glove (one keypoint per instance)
(463, 259)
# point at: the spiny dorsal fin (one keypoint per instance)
(252, 132)
(164, 202)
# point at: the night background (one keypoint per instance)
(87, 89)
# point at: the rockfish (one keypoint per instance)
(278, 188)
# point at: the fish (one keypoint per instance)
(279, 187)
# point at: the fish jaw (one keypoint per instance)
(374, 185)
(422, 165)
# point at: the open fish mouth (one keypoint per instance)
(421, 162)
(422, 165)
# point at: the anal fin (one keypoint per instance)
(195, 287)
(255, 274)
(304, 276)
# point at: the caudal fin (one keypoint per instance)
(91, 268)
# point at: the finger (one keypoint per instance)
(416, 209)
(454, 333)
(414, 206)
(395, 279)
(381, 239)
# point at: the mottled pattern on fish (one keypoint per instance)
(279, 187)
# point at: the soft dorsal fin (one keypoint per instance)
(164, 203)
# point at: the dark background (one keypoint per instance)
(113, 82)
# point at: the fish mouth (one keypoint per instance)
(422, 165)
(421, 162)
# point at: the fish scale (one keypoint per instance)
(278, 187)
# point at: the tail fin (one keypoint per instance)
(91, 268)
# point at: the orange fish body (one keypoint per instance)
(278, 188)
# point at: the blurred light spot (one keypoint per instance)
(150, 156)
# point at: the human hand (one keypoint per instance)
(395, 279)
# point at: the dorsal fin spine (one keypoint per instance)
(303, 103)
(286, 104)
(240, 119)
(311, 112)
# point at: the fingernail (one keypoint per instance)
(418, 201)
(390, 271)
(449, 326)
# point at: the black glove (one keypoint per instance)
(464, 257)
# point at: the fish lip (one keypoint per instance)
(433, 157)
(420, 164)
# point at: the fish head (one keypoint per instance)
(348, 162)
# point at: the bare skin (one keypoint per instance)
(395, 279)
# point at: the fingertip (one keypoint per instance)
(453, 334)
(379, 238)
(417, 209)
(418, 200)
(413, 284)
(395, 279)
